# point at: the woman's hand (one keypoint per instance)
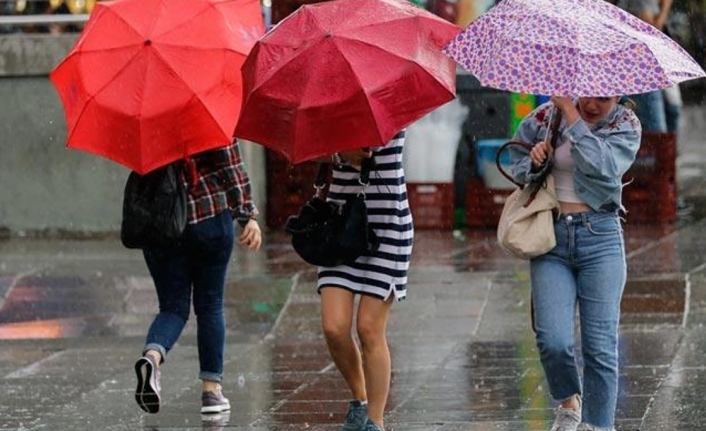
(251, 236)
(567, 108)
(355, 157)
(539, 153)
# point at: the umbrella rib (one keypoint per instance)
(352, 69)
(415, 63)
(127, 24)
(372, 45)
(92, 98)
(226, 19)
(183, 81)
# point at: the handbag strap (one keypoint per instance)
(554, 128)
(364, 180)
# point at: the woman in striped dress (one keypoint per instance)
(378, 279)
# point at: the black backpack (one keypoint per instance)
(154, 208)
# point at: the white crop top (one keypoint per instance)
(563, 173)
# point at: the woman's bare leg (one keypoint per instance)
(377, 367)
(337, 322)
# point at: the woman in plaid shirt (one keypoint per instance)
(218, 192)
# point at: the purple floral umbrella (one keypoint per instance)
(569, 48)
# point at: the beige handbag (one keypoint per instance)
(526, 226)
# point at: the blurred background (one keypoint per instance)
(449, 155)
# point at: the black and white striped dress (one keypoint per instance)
(385, 272)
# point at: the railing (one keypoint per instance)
(43, 19)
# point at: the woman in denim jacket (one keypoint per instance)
(597, 143)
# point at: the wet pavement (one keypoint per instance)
(73, 315)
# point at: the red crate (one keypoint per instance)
(483, 205)
(431, 204)
(654, 202)
(656, 157)
(650, 193)
(288, 188)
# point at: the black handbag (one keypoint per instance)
(154, 208)
(328, 234)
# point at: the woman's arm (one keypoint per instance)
(665, 7)
(608, 152)
(531, 130)
(237, 185)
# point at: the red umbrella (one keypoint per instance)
(345, 74)
(152, 81)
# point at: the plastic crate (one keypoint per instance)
(431, 204)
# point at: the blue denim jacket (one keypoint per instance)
(602, 153)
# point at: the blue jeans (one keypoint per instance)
(199, 264)
(586, 269)
(649, 108)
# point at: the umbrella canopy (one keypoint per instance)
(569, 48)
(152, 81)
(345, 74)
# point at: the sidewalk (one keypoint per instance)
(73, 316)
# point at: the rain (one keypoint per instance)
(75, 304)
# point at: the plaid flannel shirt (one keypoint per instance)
(217, 180)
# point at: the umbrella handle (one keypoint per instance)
(554, 130)
(556, 122)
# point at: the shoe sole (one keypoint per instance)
(145, 395)
(216, 409)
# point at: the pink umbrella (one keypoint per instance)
(569, 48)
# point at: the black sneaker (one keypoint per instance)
(357, 416)
(214, 402)
(148, 387)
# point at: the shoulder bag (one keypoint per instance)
(326, 233)
(526, 225)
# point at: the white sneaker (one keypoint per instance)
(567, 419)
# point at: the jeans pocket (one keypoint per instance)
(213, 228)
(213, 239)
(604, 226)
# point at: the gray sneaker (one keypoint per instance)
(357, 416)
(567, 419)
(214, 402)
(148, 389)
(587, 427)
(372, 426)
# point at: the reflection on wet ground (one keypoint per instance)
(73, 317)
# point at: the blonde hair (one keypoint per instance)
(627, 102)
